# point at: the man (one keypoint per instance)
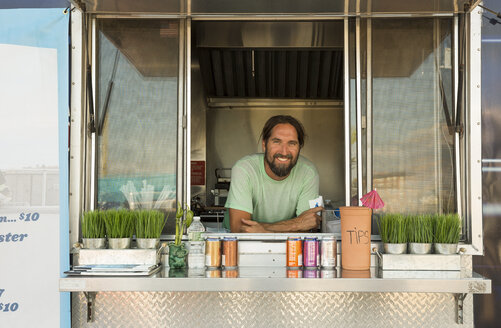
(270, 192)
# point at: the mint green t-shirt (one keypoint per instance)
(267, 200)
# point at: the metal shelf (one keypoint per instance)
(476, 284)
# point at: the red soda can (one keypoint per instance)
(310, 252)
(294, 252)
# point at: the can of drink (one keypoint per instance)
(213, 253)
(310, 273)
(295, 273)
(233, 273)
(294, 252)
(230, 252)
(328, 252)
(310, 252)
(213, 273)
(329, 273)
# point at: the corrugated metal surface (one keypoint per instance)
(263, 309)
(281, 73)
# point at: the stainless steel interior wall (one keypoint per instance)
(234, 132)
(270, 309)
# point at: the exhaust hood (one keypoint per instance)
(288, 60)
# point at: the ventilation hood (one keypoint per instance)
(291, 60)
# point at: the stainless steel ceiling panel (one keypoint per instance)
(270, 34)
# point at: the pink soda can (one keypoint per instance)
(310, 252)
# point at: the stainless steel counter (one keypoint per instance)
(274, 279)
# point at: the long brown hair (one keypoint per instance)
(283, 119)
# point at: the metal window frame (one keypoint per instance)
(473, 131)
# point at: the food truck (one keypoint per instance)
(165, 97)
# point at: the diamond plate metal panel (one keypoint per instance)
(268, 309)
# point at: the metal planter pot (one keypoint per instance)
(119, 243)
(148, 243)
(94, 243)
(446, 249)
(420, 248)
(395, 248)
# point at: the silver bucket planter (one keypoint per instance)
(148, 243)
(446, 249)
(119, 243)
(395, 248)
(420, 248)
(94, 243)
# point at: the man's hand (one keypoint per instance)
(252, 226)
(308, 219)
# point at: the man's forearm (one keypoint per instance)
(282, 226)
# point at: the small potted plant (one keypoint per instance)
(392, 228)
(149, 226)
(420, 234)
(119, 228)
(177, 250)
(447, 231)
(93, 230)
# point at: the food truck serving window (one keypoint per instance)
(136, 108)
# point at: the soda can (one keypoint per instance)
(230, 273)
(329, 273)
(294, 252)
(298, 273)
(230, 252)
(213, 273)
(310, 273)
(328, 251)
(310, 252)
(213, 253)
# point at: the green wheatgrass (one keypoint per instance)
(119, 223)
(149, 223)
(393, 228)
(447, 228)
(93, 225)
(420, 229)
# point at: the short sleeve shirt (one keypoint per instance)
(267, 200)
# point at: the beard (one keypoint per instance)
(281, 170)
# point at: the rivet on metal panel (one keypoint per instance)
(478, 123)
(478, 85)
(479, 197)
(72, 83)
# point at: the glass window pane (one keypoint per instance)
(137, 104)
(413, 149)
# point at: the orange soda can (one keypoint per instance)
(298, 273)
(230, 273)
(230, 252)
(213, 253)
(294, 252)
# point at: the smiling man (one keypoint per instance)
(270, 192)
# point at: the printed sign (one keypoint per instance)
(197, 173)
(30, 98)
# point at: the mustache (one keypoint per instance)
(282, 156)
